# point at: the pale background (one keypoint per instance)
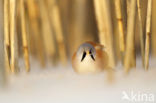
(63, 85)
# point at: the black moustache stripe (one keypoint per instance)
(83, 56)
(92, 57)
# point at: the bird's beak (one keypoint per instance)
(88, 53)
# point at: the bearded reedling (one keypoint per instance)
(90, 58)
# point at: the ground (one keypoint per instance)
(63, 85)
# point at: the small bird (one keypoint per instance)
(90, 58)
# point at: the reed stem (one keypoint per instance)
(35, 30)
(56, 22)
(141, 33)
(148, 32)
(103, 16)
(13, 37)
(6, 36)
(47, 31)
(129, 54)
(2, 61)
(120, 25)
(24, 36)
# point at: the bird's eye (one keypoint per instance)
(83, 56)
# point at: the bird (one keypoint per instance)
(90, 57)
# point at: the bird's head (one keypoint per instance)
(86, 50)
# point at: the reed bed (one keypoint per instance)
(48, 36)
(57, 26)
(51, 30)
(37, 41)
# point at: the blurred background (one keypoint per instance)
(39, 37)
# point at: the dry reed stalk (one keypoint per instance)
(128, 2)
(2, 62)
(141, 32)
(79, 24)
(133, 59)
(29, 31)
(120, 25)
(124, 15)
(6, 36)
(153, 35)
(13, 37)
(47, 32)
(35, 29)
(24, 36)
(56, 22)
(100, 19)
(103, 16)
(129, 54)
(31, 37)
(148, 31)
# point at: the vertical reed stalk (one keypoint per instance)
(120, 25)
(2, 62)
(47, 31)
(24, 36)
(129, 55)
(100, 19)
(13, 37)
(6, 36)
(56, 22)
(35, 29)
(128, 2)
(103, 16)
(148, 31)
(141, 32)
(153, 35)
